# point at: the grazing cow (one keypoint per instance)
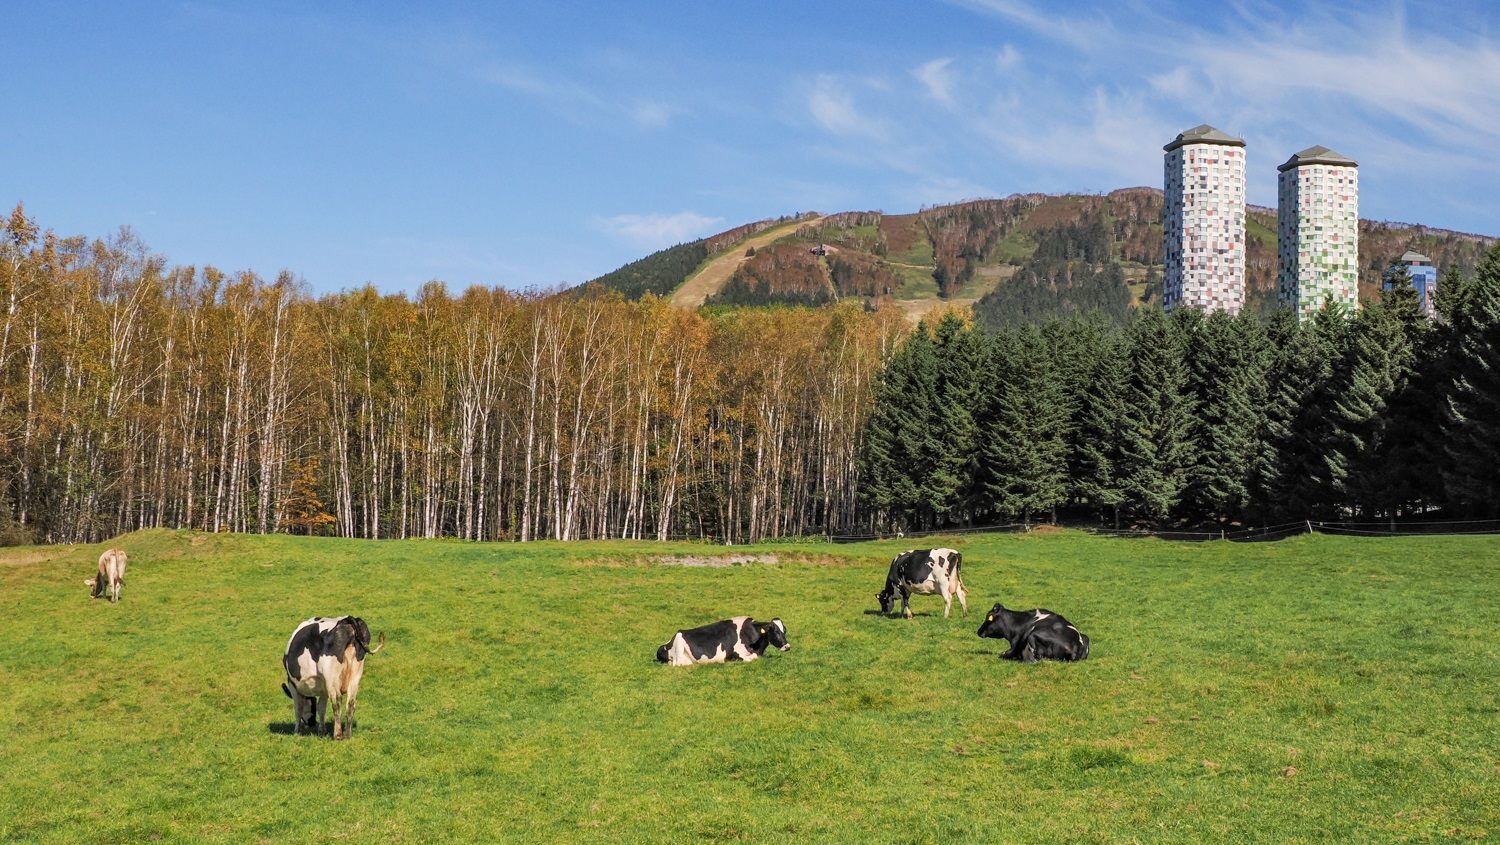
(1035, 635)
(925, 571)
(324, 661)
(740, 638)
(111, 576)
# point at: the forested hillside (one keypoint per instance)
(1016, 261)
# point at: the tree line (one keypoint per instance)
(135, 394)
(1200, 420)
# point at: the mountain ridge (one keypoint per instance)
(1024, 254)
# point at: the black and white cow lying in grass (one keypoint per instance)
(925, 571)
(324, 661)
(740, 638)
(1034, 635)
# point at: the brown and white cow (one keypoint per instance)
(324, 661)
(111, 576)
(926, 571)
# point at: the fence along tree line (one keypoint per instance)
(1194, 420)
(134, 394)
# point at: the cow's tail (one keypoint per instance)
(288, 690)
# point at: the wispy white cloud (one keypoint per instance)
(653, 114)
(1049, 22)
(1403, 96)
(832, 106)
(1007, 57)
(938, 80)
(655, 231)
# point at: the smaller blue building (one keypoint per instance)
(1424, 277)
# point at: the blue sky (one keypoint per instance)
(536, 144)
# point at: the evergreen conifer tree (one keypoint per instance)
(1472, 435)
(1304, 486)
(1225, 376)
(959, 352)
(1375, 362)
(1400, 476)
(1099, 417)
(900, 446)
(1025, 453)
(1156, 447)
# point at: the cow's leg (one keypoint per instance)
(1029, 653)
(906, 601)
(963, 597)
(296, 711)
(322, 713)
(945, 590)
(336, 703)
(350, 696)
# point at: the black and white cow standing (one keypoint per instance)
(1036, 634)
(925, 571)
(324, 661)
(740, 638)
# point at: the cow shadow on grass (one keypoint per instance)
(914, 613)
(282, 728)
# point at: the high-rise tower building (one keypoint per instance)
(1203, 221)
(1317, 231)
(1424, 277)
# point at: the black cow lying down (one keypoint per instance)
(1034, 635)
(740, 638)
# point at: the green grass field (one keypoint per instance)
(1313, 690)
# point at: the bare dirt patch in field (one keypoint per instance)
(715, 561)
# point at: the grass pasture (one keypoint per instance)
(1312, 690)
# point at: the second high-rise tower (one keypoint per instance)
(1203, 221)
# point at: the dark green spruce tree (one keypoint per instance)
(1472, 407)
(1305, 488)
(1155, 442)
(900, 446)
(1025, 447)
(1100, 432)
(1401, 477)
(1225, 378)
(1376, 361)
(953, 490)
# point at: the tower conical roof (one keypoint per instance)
(1318, 154)
(1204, 134)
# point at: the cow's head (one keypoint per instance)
(887, 599)
(774, 632)
(996, 623)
